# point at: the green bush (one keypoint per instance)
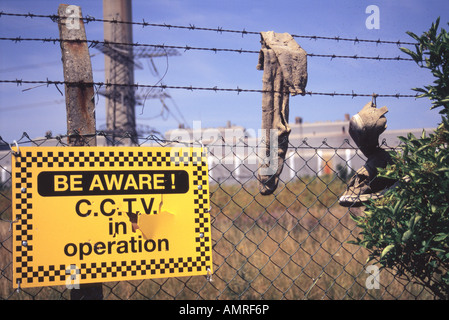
(408, 229)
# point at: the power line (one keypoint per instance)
(32, 105)
(34, 66)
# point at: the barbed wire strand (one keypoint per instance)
(47, 82)
(94, 43)
(192, 27)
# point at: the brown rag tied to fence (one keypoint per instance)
(284, 64)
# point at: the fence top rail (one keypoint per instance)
(115, 139)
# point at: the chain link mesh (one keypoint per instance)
(289, 245)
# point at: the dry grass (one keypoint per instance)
(291, 245)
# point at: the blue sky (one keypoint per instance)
(41, 109)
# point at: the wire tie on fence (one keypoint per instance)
(373, 99)
(58, 137)
(11, 223)
(219, 29)
(18, 286)
(201, 143)
(144, 24)
(15, 153)
(209, 275)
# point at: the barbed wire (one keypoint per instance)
(94, 43)
(143, 24)
(47, 82)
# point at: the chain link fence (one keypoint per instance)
(289, 245)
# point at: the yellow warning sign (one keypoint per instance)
(98, 214)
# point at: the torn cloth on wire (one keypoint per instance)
(284, 64)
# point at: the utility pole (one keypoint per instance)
(119, 68)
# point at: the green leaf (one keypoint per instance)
(407, 234)
(411, 223)
(411, 34)
(386, 250)
(417, 218)
(440, 236)
(355, 217)
(423, 135)
(412, 54)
